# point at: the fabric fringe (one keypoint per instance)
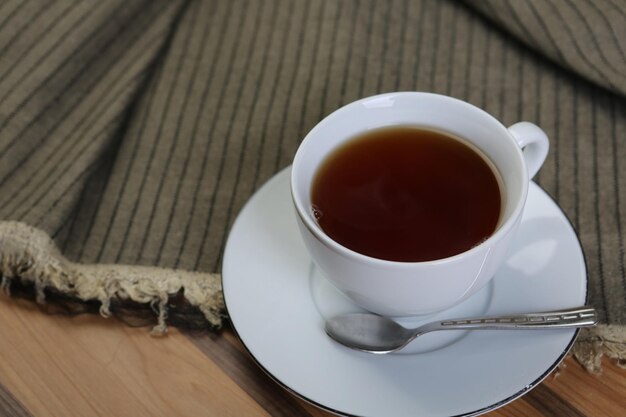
(595, 342)
(29, 255)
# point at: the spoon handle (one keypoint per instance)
(575, 317)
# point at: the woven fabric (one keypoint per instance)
(134, 131)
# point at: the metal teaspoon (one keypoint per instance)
(377, 334)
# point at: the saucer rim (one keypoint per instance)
(477, 412)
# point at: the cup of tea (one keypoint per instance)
(408, 201)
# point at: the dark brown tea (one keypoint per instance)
(406, 194)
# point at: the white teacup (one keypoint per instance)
(412, 288)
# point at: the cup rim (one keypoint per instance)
(317, 231)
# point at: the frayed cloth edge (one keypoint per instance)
(28, 254)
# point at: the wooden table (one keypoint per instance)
(91, 366)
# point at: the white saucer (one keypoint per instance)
(276, 302)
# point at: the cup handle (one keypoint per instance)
(534, 144)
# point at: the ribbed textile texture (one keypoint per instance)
(134, 131)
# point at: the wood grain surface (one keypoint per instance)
(90, 366)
